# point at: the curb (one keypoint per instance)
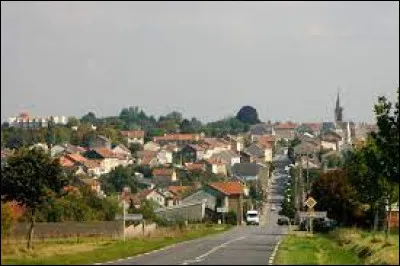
(272, 257)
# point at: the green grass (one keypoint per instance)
(317, 250)
(342, 246)
(86, 252)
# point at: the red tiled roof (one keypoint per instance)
(163, 172)
(76, 157)
(66, 162)
(288, 125)
(176, 137)
(228, 188)
(92, 163)
(195, 166)
(178, 189)
(105, 152)
(313, 126)
(266, 139)
(133, 133)
(216, 161)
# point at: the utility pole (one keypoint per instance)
(123, 219)
(308, 180)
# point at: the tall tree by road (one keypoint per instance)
(29, 178)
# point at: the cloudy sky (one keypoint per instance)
(204, 59)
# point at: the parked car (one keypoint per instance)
(283, 221)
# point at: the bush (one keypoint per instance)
(231, 218)
(7, 219)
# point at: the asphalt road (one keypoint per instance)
(243, 245)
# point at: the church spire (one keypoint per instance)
(338, 109)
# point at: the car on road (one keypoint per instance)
(273, 208)
(252, 217)
(283, 221)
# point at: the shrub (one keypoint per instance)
(231, 218)
(7, 219)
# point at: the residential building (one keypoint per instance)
(164, 177)
(133, 136)
(285, 130)
(100, 141)
(192, 153)
(151, 146)
(179, 139)
(260, 130)
(164, 156)
(23, 120)
(250, 172)
(217, 166)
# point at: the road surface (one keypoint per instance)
(243, 245)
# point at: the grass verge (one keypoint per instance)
(89, 251)
(342, 246)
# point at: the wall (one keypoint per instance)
(187, 212)
(139, 230)
(66, 229)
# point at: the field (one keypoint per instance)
(342, 246)
(91, 250)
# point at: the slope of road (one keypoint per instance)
(243, 245)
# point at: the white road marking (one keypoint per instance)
(201, 257)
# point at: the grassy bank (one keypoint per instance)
(92, 250)
(342, 246)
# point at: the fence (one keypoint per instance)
(194, 211)
(69, 229)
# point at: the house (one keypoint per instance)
(228, 195)
(331, 140)
(122, 150)
(285, 130)
(228, 156)
(147, 158)
(151, 146)
(42, 146)
(147, 194)
(255, 153)
(100, 141)
(133, 136)
(57, 150)
(217, 166)
(94, 167)
(164, 156)
(267, 147)
(164, 177)
(110, 160)
(196, 167)
(266, 140)
(307, 148)
(179, 139)
(174, 197)
(236, 142)
(260, 130)
(192, 153)
(312, 128)
(94, 184)
(250, 171)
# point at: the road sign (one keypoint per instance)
(310, 202)
(320, 215)
(222, 209)
(130, 217)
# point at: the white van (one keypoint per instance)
(252, 217)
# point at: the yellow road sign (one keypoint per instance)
(310, 202)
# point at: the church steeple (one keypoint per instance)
(338, 109)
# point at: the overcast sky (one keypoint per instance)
(204, 59)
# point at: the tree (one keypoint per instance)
(72, 121)
(248, 115)
(29, 178)
(335, 194)
(387, 141)
(89, 118)
(119, 178)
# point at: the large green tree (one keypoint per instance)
(248, 115)
(29, 178)
(119, 178)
